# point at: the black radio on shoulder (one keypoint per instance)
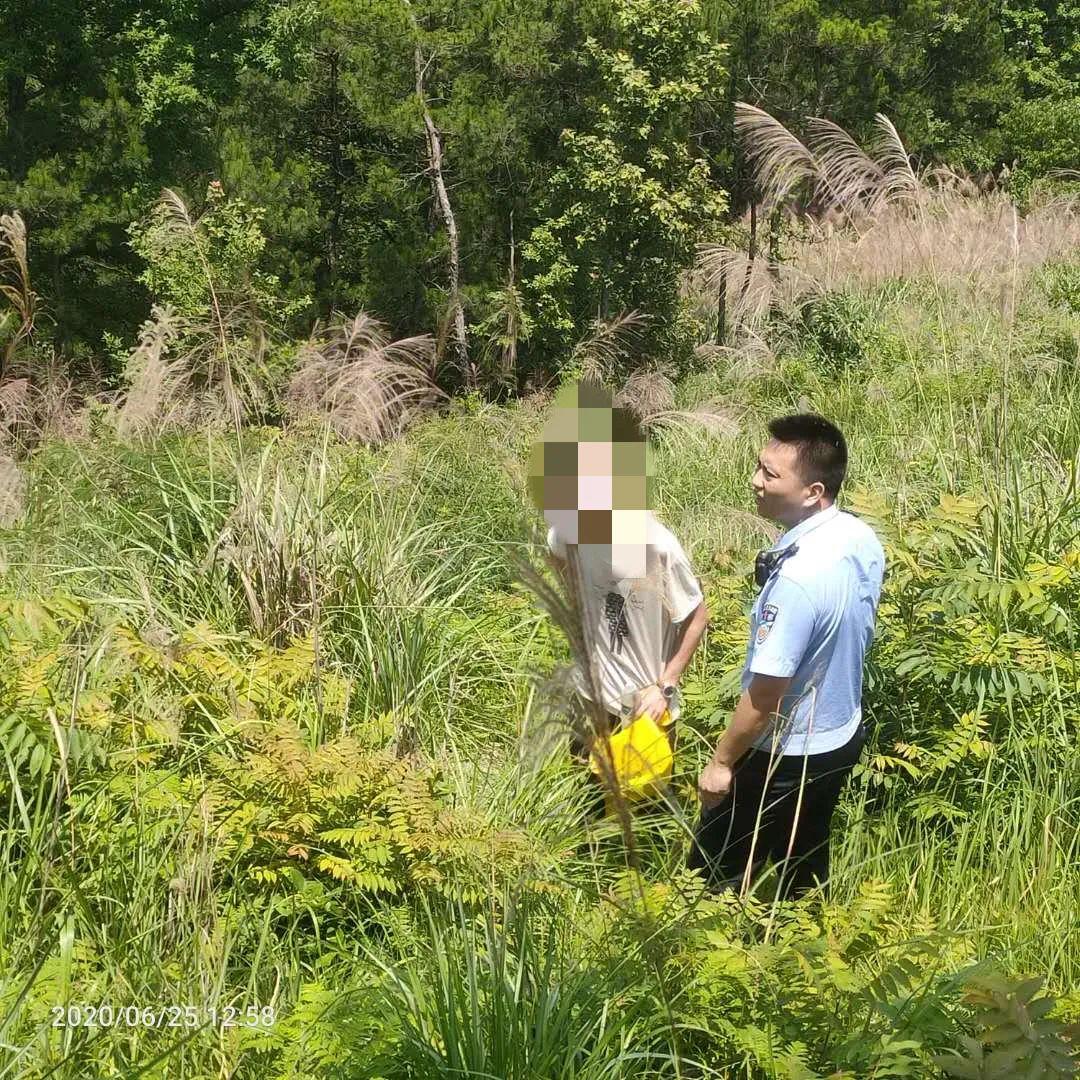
(766, 563)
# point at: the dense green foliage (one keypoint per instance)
(582, 143)
(275, 732)
(282, 700)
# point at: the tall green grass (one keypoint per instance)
(399, 564)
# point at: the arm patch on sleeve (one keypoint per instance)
(768, 617)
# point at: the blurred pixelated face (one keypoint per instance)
(590, 473)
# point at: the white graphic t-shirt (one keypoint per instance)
(632, 622)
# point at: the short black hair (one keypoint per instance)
(820, 445)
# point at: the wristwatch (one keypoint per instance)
(668, 690)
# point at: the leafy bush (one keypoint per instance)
(843, 332)
(1012, 1018)
(1062, 285)
(267, 707)
(630, 196)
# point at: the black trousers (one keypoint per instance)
(763, 817)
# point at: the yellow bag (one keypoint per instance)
(641, 757)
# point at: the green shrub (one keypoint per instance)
(843, 332)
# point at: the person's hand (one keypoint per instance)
(651, 700)
(714, 785)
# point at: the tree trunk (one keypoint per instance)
(721, 307)
(327, 125)
(509, 358)
(775, 221)
(442, 199)
(16, 102)
(752, 252)
(334, 232)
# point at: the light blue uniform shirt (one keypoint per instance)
(814, 621)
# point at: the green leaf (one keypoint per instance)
(38, 757)
(958, 1066)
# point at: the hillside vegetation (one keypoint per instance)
(281, 721)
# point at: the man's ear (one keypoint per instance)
(817, 490)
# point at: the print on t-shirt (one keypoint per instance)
(629, 621)
(614, 603)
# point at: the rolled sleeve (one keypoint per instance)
(683, 590)
(785, 627)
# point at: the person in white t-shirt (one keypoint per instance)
(642, 609)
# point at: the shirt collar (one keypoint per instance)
(797, 532)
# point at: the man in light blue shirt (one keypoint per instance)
(775, 777)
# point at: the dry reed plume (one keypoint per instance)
(864, 216)
(598, 355)
(17, 323)
(156, 397)
(365, 386)
(12, 491)
(194, 367)
(645, 393)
